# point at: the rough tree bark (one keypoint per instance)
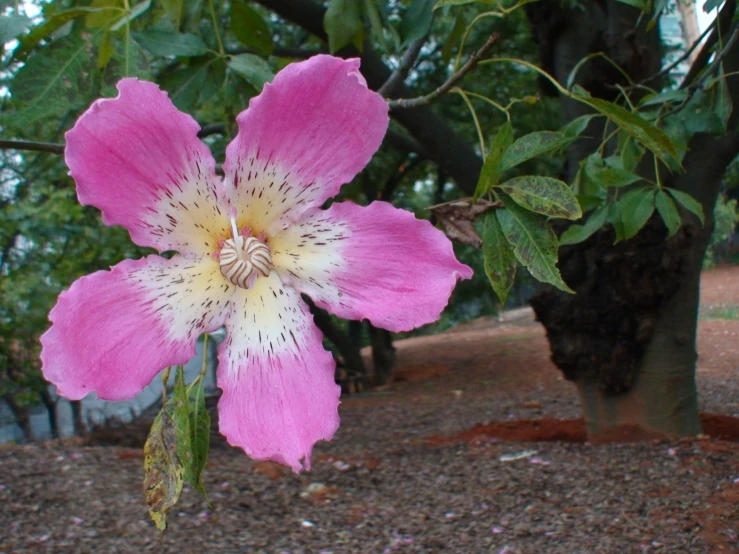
(628, 337)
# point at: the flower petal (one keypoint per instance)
(114, 330)
(375, 262)
(279, 395)
(310, 131)
(138, 159)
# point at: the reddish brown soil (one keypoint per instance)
(715, 426)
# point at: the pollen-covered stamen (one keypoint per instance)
(243, 259)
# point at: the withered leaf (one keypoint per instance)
(456, 218)
(164, 474)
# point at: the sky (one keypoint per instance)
(704, 19)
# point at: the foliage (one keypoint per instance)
(726, 216)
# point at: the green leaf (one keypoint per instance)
(372, 12)
(12, 25)
(635, 208)
(631, 152)
(253, 69)
(106, 50)
(641, 4)
(179, 406)
(577, 126)
(723, 105)
(136, 11)
(534, 243)
(250, 28)
(107, 12)
(667, 211)
(614, 218)
(543, 195)
(578, 233)
(589, 203)
(678, 133)
(643, 131)
(490, 172)
(174, 9)
(343, 23)
(164, 474)
(417, 20)
(607, 175)
(500, 261)
(532, 145)
(699, 115)
(192, 425)
(164, 43)
(200, 434)
(51, 83)
(688, 202)
(30, 41)
(452, 40)
(185, 84)
(661, 98)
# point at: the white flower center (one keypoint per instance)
(243, 259)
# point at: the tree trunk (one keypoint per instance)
(51, 410)
(22, 416)
(78, 421)
(383, 354)
(628, 337)
(351, 372)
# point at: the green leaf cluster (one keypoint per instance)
(521, 233)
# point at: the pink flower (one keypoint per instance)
(247, 246)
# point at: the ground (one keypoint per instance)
(440, 461)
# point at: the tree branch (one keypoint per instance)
(406, 63)
(450, 82)
(394, 139)
(442, 143)
(208, 129)
(32, 146)
(666, 70)
(724, 21)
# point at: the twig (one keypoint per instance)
(715, 64)
(682, 58)
(53, 148)
(32, 146)
(696, 85)
(721, 25)
(401, 72)
(211, 129)
(449, 84)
